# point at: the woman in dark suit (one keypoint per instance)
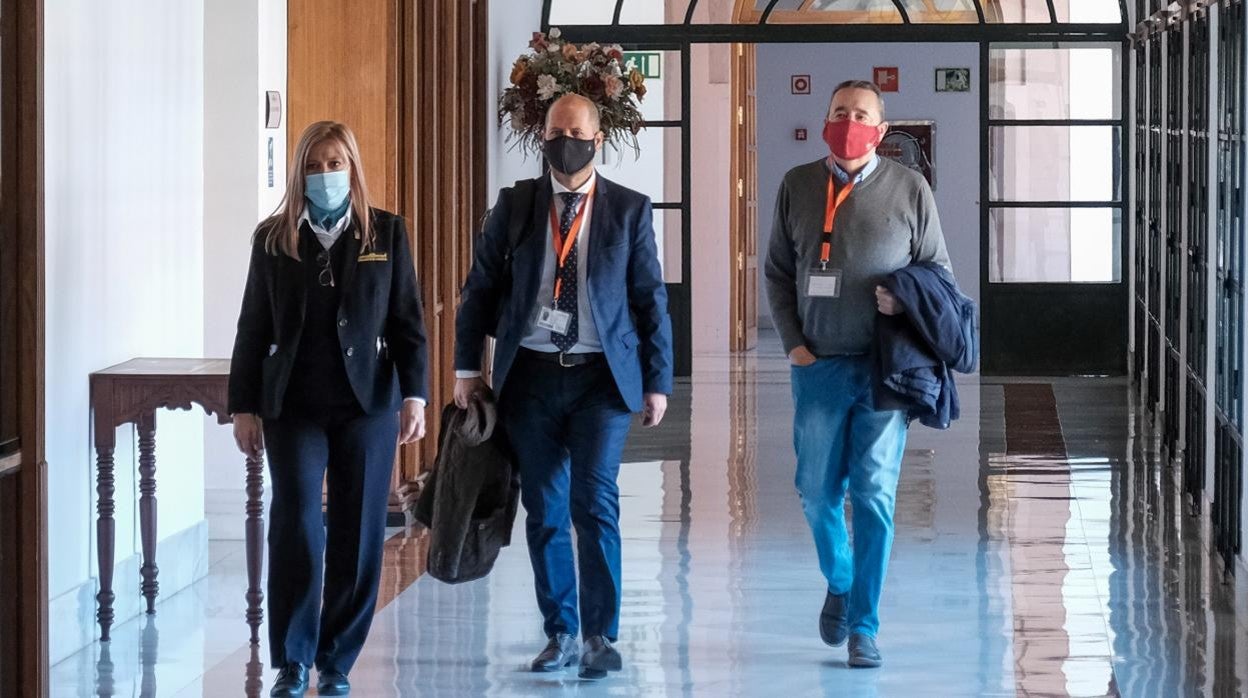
(328, 373)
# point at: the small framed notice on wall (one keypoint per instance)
(913, 144)
(272, 109)
(953, 79)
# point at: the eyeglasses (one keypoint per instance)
(326, 277)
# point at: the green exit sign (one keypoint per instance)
(650, 63)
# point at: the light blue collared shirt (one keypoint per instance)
(843, 177)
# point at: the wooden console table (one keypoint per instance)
(131, 393)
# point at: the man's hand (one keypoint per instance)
(249, 434)
(653, 410)
(801, 356)
(887, 302)
(411, 422)
(467, 390)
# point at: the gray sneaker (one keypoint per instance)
(863, 653)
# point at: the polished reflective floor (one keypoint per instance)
(1041, 550)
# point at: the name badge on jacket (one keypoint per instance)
(374, 257)
(823, 282)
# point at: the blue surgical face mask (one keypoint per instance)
(328, 190)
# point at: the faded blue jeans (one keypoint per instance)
(843, 444)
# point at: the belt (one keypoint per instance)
(561, 358)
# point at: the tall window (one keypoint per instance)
(1055, 182)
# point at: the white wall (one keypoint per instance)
(956, 115)
(244, 55)
(511, 26)
(710, 197)
(124, 149)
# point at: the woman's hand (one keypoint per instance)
(249, 434)
(411, 422)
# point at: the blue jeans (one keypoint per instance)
(843, 443)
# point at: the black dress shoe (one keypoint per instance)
(599, 658)
(332, 683)
(833, 620)
(292, 681)
(561, 651)
(863, 653)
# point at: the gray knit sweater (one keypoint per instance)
(888, 222)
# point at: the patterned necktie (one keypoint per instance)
(567, 273)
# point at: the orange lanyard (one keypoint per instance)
(835, 199)
(563, 246)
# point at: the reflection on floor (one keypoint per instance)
(1041, 550)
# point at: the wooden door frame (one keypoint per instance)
(25, 484)
(743, 182)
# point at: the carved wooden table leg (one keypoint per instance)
(105, 532)
(253, 686)
(147, 507)
(255, 545)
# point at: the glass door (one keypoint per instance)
(1055, 302)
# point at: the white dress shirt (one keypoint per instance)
(536, 338)
(327, 238)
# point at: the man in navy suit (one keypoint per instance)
(577, 305)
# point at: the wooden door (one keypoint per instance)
(23, 471)
(744, 220)
(409, 78)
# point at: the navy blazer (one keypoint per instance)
(625, 289)
(380, 325)
(916, 352)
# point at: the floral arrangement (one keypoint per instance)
(555, 67)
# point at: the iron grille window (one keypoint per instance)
(1155, 247)
(1141, 212)
(1228, 455)
(1173, 231)
(1197, 143)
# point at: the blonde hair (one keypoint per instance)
(281, 229)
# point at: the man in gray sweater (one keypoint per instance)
(842, 224)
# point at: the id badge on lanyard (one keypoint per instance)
(555, 320)
(824, 281)
(551, 317)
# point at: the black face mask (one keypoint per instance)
(568, 155)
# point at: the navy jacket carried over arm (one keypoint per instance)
(917, 351)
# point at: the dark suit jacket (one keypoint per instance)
(626, 292)
(380, 327)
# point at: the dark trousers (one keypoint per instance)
(343, 550)
(567, 427)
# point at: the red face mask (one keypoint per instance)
(850, 140)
